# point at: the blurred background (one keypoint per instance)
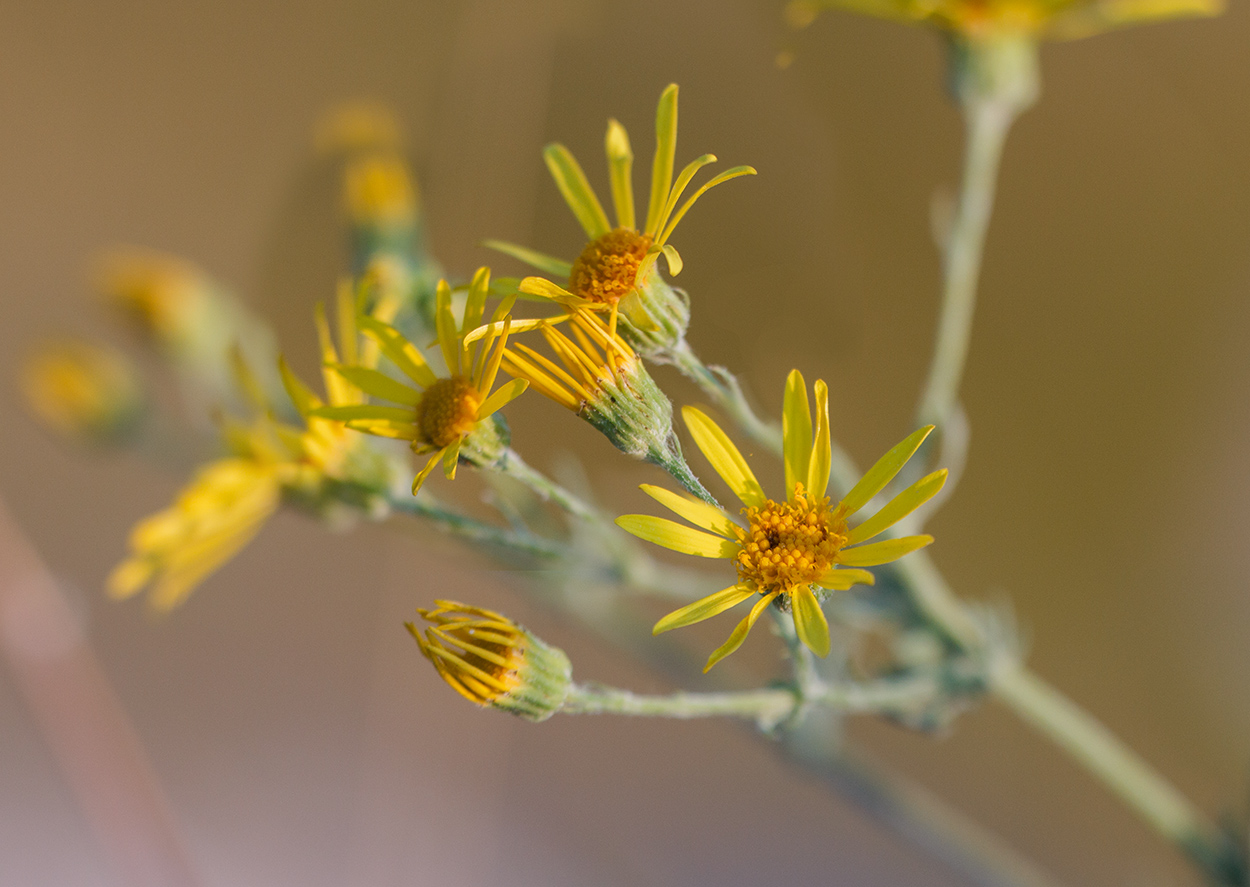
(299, 736)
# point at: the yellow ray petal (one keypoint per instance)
(451, 458)
(675, 263)
(882, 552)
(809, 620)
(841, 580)
(620, 166)
(345, 314)
(406, 356)
(818, 464)
(677, 537)
(704, 608)
(796, 431)
(543, 262)
(475, 304)
(301, 395)
(740, 633)
(665, 152)
(385, 428)
(576, 191)
(377, 384)
(505, 395)
(445, 323)
(698, 513)
(724, 456)
(544, 288)
(680, 186)
(364, 411)
(899, 507)
(883, 472)
(425, 472)
(707, 186)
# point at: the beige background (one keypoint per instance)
(298, 734)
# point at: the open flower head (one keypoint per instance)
(83, 390)
(321, 465)
(491, 661)
(987, 19)
(616, 269)
(788, 552)
(445, 417)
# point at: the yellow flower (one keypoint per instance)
(447, 416)
(83, 390)
(379, 191)
(976, 19)
(615, 271)
(166, 296)
(358, 126)
(319, 465)
(791, 551)
(220, 511)
(491, 661)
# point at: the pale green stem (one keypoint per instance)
(721, 386)
(547, 489)
(477, 531)
(991, 102)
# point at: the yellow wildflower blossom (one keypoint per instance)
(320, 465)
(987, 19)
(448, 417)
(491, 661)
(615, 271)
(791, 551)
(82, 390)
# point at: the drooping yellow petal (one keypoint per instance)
(501, 398)
(740, 633)
(883, 552)
(899, 507)
(796, 431)
(711, 183)
(620, 167)
(665, 154)
(425, 472)
(544, 288)
(704, 608)
(883, 472)
(543, 262)
(818, 465)
(677, 537)
(406, 357)
(451, 458)
(683, 179)
(809, 620)
(576, 191)
(841, 580)
(700, 514)
(724, 456)
(675, 263)
(377, 384)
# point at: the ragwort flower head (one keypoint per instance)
(491, 661)
(322, 466)
(616, 270)
(83, 390)
(600, 378)
(989, 19)
(448, 418)
(792, 551)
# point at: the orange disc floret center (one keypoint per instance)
(447, 411)
(789, 544)
(606, 270)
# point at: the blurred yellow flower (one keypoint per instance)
(614, 271)
(447, 416)
(321, 465)
(491, 661)
(793, 550)
(82, 390)
(1055, 19)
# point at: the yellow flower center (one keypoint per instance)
(789, 544)
(447, 411)
(605, 272)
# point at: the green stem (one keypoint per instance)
(721, 386)
(994, 81)
(477, 531)
(547, 489)
(766, 707)
(1120, 768)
